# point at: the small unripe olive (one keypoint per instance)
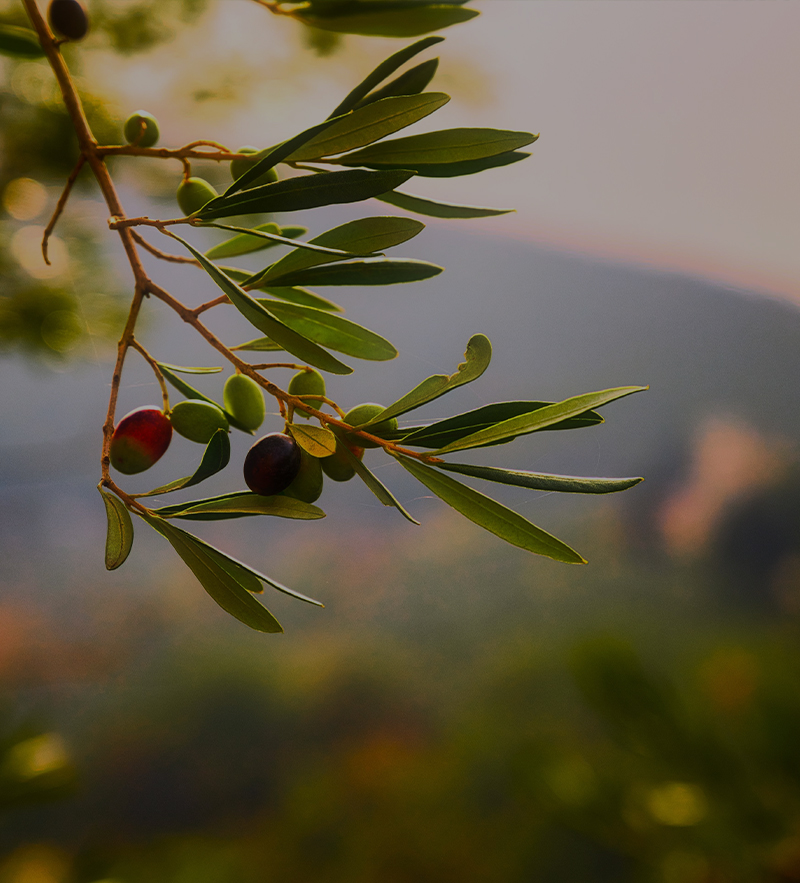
(193, 194)
(338, 466)
(307, 383)
(197, 420)
(240, 166)
(363, 414)
(243, 398)
(139, 440)
(272, 464)
(68, 18)
(133, 129)
(307, 486)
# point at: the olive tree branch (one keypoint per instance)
(163, 255)
(62, 201)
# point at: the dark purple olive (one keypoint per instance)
(272, 464)
(68, 18)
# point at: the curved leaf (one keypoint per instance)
(216, 457)
(243, 503)
(374, 484)
(246, 243)
(491, 515)
(183, 369)
(412, 82)
(438, 209)
(276, 239)
(541, 481)
(385, 19)
(119, 536)
(468, 167)
(369, 271)
(288, 293)
(317, 440)
(19, 42)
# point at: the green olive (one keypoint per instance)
(307, 486)
(338, 465)
(362, 414)
(197, 420)
(307, 383)
(243, 398)
(240, 166)
(135, 134)
(193, 194)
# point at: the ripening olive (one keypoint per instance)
(139, 440)
(272, 464)
(307, 383)
(307, 486)
(193, 194)
(240, 166)
(362, 414)
(135, 134)
(68, 18)
(338, 466)
(197, 420)
(243, 399)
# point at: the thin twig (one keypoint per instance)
(156, 370)
(120, 222)
(222, 299)
(222, 154)
(174, 258)
(62, 201)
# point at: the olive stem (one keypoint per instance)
(62, 201)
(156, 370)
(163, 255)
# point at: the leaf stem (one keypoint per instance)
(62, 201)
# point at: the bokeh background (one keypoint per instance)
(460, 710)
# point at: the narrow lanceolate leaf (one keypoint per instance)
(246, 243)
(305, 192)
(442, 432)
(382, 71)
(259, 345)
(185, 369)
(328, 253)
(455, 169)
(476, 360)
(119, 536)
(375, 485)
(191, 393)
(292, 294)
(384, 19)
(412, 82)
(333, 331)
(240, 504)
(540, 419)
(368, 124)
(19, 43)
(439, 209)
(317, 440)
(370, 271)
(491, 515)
(222, 584)
(360, 237)
(216, 457)
(445, 146)
(542, 481)
(262, 319)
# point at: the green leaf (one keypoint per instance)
(191, 393)
(385, 19)
(368, 124)
(246, 243)
(438, 209)
(369, 271)
(455, 169)
(262, 319)
(491, 515)
(317, 440)
(329, 253)
(119, 537)
(442, 432)
(20, 43)
(216, 457)
(183, 369)
(294, 295)
(333, 331)
(259, 345)
(243, 503)
(374, 484)
(359, 237)
(305, 192)
(412, 82)
(382, 71)
(540, 419)
(444, 146)
(477, 357)
(222, 584)
(541, 481)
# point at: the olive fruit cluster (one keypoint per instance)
(68, 18)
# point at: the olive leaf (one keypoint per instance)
(491, 515)
(184, 369)
(412, 82)
(374, 484)
(239, 504)
(292, 294)
(541, 481)
(216, 457)
(384, 18)
(191, 393)
(434, 209)
(452, 169)
(19, 42)
(369, 271)
(119, 535)
(329, 253)
(317, 440)
(247, 243)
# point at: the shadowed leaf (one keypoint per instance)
(541, 481)
(119, 536)
(216, 457)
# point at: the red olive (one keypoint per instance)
(139, 440)
(272, 464)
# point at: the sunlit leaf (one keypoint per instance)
(367, 124)
(541, 481)
(191, 393)
(369, 271)
(246, 243)
(374, 484)
(385, 19)
(261, 318)
(119, 535)
(259, 345)
(491, 515)
(382, 71)
(216, 457)
(305, 192)
(184, 369)
(329, 253)
(19, 42)
(317, 440)
(439, 209)
(411, 82)
(540, 419)
(476, 360)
